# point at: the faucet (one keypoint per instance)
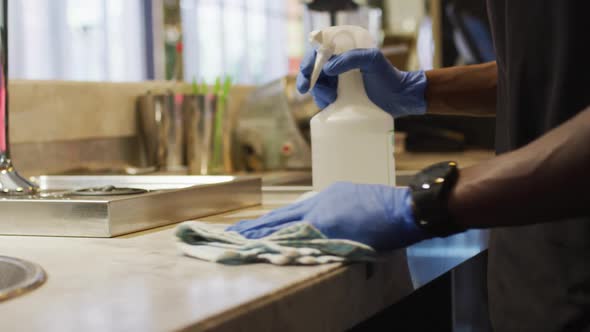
(11, 183)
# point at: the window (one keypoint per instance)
(90, 40)
(246, 39)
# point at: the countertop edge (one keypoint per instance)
(320, 300)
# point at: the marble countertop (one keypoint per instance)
(141, 282)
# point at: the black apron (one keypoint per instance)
(539, 275)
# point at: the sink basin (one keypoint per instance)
(18, 277)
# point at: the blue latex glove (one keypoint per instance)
(397, 92)
(377, 215)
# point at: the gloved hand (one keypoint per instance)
(397, 92)
(377, 215)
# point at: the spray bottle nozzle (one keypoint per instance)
(324, 52)
(322, 56)
(336, 40)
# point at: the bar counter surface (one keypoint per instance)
(141, 282)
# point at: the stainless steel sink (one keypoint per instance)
(18, 277)
(107, 206)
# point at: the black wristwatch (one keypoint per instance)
(430, 190)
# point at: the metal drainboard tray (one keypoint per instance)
(169, 199)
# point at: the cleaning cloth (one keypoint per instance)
(297, 244)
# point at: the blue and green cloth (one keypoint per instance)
(297, 244)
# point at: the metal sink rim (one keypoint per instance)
(35, 277)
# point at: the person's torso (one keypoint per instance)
(539, 275)
(543, 52)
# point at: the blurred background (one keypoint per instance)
(257, 45)
(254, 41)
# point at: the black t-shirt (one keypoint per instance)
(539, 275)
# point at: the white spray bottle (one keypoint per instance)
(352, 138)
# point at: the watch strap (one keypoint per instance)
(430, 192)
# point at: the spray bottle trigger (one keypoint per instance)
(323, 54)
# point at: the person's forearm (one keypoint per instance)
(545, 180)
(463, 90)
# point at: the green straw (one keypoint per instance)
(226, 86)
(204, 88)
(218, 141)
(194, 86)
(227, 136)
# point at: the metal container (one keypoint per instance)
(193, 110)
(161, 129)
(106, 206)
(199, 113)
